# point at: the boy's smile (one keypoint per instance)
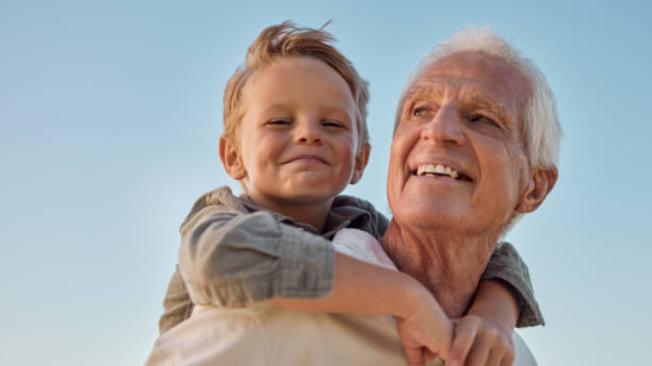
(307, 158)
(297, 140)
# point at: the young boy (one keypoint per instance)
(294, 137)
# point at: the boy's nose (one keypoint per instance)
(308, 132)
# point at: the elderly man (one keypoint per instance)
(474, 147)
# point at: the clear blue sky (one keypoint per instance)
(110, 112)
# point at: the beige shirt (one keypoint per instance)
(267, 335)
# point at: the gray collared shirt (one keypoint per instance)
(233, 254)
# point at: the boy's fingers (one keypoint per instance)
(502, 349)
(495, 358)
(501, 357)
(414, 356)
(465, 333)
(429, 355)
(508, 359)
(479, 353)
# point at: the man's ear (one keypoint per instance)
(231, 159)
(361, 160)
(540, 184)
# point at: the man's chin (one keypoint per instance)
(430, 218)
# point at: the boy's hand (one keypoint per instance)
(478, 342)
(425, 332)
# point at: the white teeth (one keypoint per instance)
(437, 169)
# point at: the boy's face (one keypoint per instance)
(297, 141)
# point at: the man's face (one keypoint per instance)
(457, 160)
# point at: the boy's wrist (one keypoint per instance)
(415, 298)
(495, 303)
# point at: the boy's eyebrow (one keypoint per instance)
(275, 108)
(328, 109)
(339, 110)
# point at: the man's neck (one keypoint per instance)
(449, 266)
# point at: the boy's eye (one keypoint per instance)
(279, 122)
(332, 123)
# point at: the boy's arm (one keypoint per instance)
(230, 259)
(233, 260)
(176, 305)
(207, 258)
(484, 334)
(508, 268)
(265, 270)
(504, 299)
(363, 288)
(495, 301)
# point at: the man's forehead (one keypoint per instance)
(475, 63)
(473, 68)
(477, 77)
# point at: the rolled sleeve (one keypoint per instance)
(232, 260)
(506, 265)
(177, 305)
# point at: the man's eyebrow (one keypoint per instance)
(482, 101)
(424, 90)
(469, 97)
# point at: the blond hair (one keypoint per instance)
(287, 40)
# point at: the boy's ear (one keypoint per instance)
(540, 184)
(231, 159)
(361, 160)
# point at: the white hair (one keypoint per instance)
(541, 128)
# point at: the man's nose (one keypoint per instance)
(308, 131)
(445, 126)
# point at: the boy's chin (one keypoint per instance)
(314, 193)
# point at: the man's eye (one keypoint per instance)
(480, 118)
(422, 111)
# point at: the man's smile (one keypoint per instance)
(440, 169)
